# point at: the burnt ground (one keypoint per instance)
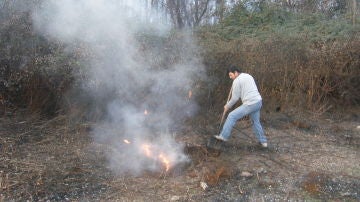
(311, 157)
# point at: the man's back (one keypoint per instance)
(245, 88)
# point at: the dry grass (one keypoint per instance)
(57, 160)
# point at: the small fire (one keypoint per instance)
(190, 94)
(154, 153)
(146, 112)
(150, 153)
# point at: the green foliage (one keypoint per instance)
(244, 22)
(240, 16)
(272, 20)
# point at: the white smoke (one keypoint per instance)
(149, 85)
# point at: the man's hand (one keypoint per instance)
(225, 109)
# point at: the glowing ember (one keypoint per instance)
(190, 93)
(127, 141)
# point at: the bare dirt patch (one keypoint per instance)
(314, 158)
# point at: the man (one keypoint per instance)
(243, 87)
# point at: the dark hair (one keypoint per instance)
(233, 69)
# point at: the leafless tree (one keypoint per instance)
(220, 9)
(188, 13)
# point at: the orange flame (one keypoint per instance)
(127, 141)
(165, 161)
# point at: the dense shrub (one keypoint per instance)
(34, 72)
(306, 60)
(309, 60)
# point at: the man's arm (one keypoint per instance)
(235, 95)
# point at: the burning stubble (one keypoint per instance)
(145, 86)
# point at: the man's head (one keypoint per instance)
(233, 72)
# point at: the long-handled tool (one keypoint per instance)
(213, 142)
(223, 115)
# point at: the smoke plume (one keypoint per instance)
(142, 72)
